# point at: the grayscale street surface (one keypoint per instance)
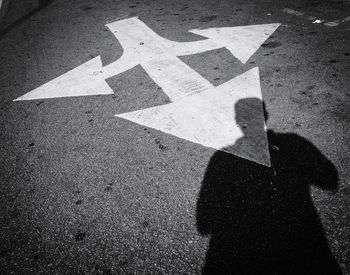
(174, 137)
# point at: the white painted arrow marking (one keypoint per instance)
(143, 46)
(158, 56)
(242, 42)
(87, 79)
(208, 118)
(200, 112)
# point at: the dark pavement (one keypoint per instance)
(84, 192)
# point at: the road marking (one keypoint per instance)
(208, 118)
(301, 15)
(87, 79)
(199, 112)
(337, 22)
(158, 56)
(242, 42)
(316, 20)
(293, 12)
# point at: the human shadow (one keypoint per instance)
(262, 220)
(41, 5)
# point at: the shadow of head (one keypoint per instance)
(248, 115)
(292, 156)
(263, 218)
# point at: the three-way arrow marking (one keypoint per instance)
(199, 112)
(158, 56)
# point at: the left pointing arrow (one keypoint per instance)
(87, 79)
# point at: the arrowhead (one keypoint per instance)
(242, 42)
(87, 79)
(209, 118)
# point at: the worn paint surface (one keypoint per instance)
(158, 56)
(208, 118)
(316, 20)
(199, 112)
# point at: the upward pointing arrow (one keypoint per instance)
(158, 56)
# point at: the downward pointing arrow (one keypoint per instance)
(208, 118)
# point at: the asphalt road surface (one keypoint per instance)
(84, 191)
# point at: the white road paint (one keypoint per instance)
(158, 56)
(87, 79)
(199, 112)
(176, 78)
(143, 46)
(316, 20)
(332, 23)
(208, 118)
(293, 12)
(346, 19)
(242, 42)
(302, 15)
(337, 22)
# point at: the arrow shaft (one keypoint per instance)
(123, 64)
(158, 57)
(194, 47)
(176, 78)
